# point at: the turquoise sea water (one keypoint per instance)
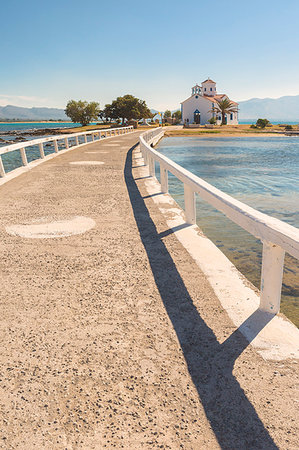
(274, 122)
(35, 125)
(262, 172)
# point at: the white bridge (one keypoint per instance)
(277, 237)
(61, 143)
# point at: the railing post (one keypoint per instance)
(41, 150)
(55, 146)
(271, 279)
(24, 157)
(151, 166)
(190, 207)
(77, 140)
(85, 138)
(164, 179)
(146, 157)
(2, 170)
(92, 137)
(66, 142)
(142, 150)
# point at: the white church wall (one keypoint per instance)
(233, 121)
(202, 105)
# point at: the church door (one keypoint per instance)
(197, 117)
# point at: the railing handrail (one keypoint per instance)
(275, 234)
(11, 147)
(258, 222)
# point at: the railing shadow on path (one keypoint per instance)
(232, 417)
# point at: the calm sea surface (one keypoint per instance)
(35, 125)
(262, 172)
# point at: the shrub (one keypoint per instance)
(288, 127)
(213, 121)
(262, 123)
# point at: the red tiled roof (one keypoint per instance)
(212, 98)
(208, 81)
(218, 97)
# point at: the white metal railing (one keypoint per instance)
(95, 135)
(277, 237)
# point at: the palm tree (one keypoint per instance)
(223, 107)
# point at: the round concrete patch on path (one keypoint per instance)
(87, 163)
(45, 229)
(89, 153)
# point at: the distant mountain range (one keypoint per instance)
(276, 109)
(282, 109)
(17, 112)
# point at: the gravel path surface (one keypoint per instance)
(113, 338)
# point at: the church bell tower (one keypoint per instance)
(196, 90)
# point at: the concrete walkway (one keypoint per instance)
(113, 338)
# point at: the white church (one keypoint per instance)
(197, 109)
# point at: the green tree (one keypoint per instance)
(262, 123)
(127, 107)
(167, 114)
(177, 115)
(224, 107)
(82, 112)
(110, 112)
(102, 115)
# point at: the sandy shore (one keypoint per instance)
(221, 134)
(225, 131)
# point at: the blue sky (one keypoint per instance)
(58, 50)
